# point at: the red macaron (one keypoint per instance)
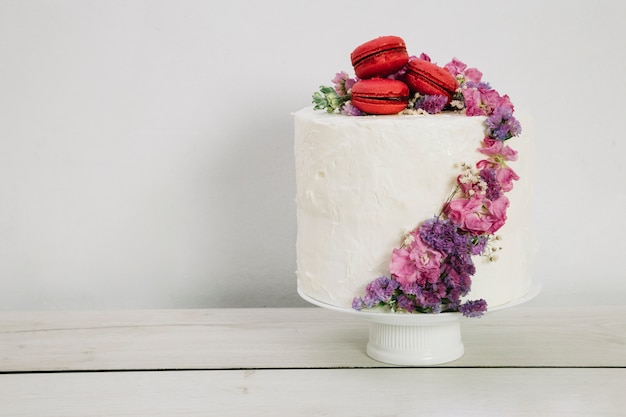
(379, 57)
(429, 79)
(380, 96)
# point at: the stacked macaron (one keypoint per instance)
(376, 60)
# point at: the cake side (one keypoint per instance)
(364, 182)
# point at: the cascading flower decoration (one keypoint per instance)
(431, 272)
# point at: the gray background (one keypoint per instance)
(146, 156)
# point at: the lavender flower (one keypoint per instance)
(482, 85)
(349, 110)
(501, 125)
(411, 289)
(473, 308)
(443, 236)
(358, 304)
(406, 303)
(431, 104)
(461, 264)
(494, 190)
(381, 290)
(431, 301)
(479, 244)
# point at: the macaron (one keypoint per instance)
(379, 57)
(429, 79)
(380, 96)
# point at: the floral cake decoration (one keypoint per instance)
(431, 272)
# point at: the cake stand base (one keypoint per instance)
(430, 340)
(415, 339)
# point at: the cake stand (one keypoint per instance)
(415, 339)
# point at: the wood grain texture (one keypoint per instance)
(292, 338)
(579, 392)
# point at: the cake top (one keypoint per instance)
(431, 272)
(418, 86)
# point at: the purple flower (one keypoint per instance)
(494, 190)
(431, 104)
(349, 110)
(411, 289)
(380, 290)
(481, 85)
(358, 304)
(473, 308)
(458, 284)
(444, 236)
(431, 301)
(461, 263)
(501, 125)
(478, 244)
(406, 303)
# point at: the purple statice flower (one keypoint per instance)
(349, 110)
(453, 299)
(473, 308)
(458, 285)
(479, 243)
(358, 303)
(481, 85)
(381, 290)
(443, 236)
(431, 104)
(501, 125)
(461, 263)
(431, 301)
(494, 190)
(411, 289)
(406, 303)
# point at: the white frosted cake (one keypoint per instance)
(414, 188)
(364, 182)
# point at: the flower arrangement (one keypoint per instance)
(431, 272)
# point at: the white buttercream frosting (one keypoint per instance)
(364, 182)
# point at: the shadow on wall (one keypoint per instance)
(253, 218)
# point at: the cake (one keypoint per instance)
(382, 199)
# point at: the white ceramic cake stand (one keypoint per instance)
(415, 339)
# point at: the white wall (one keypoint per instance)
(146, 156)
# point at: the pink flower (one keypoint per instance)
(481, 100)
(478, 215)
(496, 148)
(505, 176)
(424, 57)
(457, 67)
(473, 75)
(498, 155)
(473, 102)
(343, 83)
(417, 263)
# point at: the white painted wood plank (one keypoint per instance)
(292, 338)
(330, 392)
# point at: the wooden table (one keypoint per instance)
(523, 361)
